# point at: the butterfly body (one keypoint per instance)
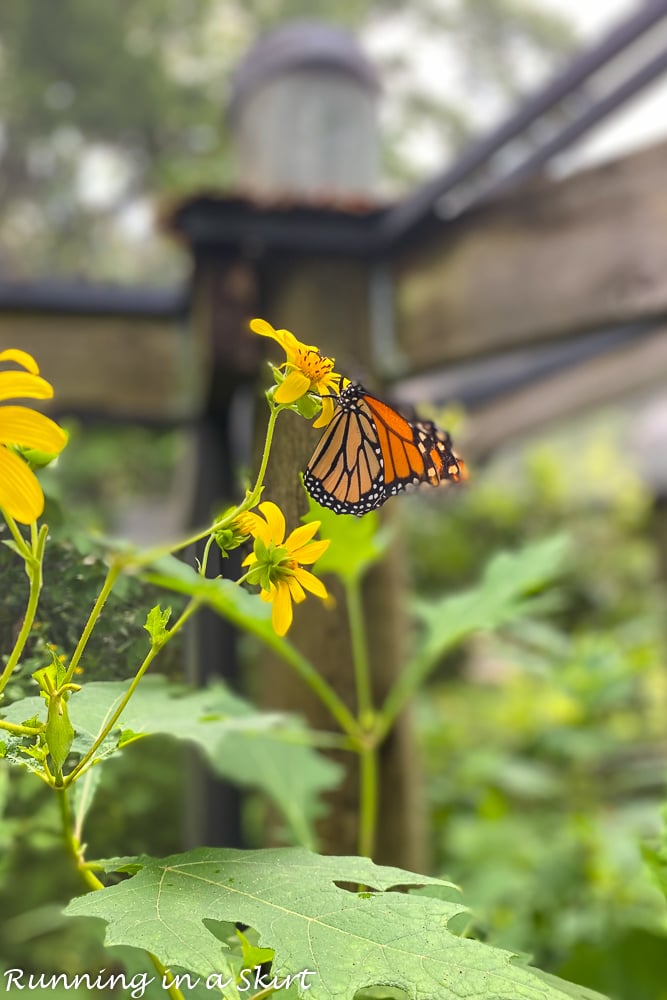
(370, 452)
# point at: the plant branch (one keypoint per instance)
(362, 673)
(72, 844)
(405, 686)
(33, 557)
(316, 683)
(163, 972)
(74, 849)
(368, 799)
(137, 560)
(148, 659)
(112, 575)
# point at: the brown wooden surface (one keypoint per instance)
(546, 262)
(626, 372)
(128, 368)
(325, 302)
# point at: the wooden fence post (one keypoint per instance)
(305, 123)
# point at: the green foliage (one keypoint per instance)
(357, 543)
(156, 624)
(544, 738)
(504, 595)
(346, 940)
(544, 748)
(105, 473)
(250, 748)
(235, 604)
(79, 569)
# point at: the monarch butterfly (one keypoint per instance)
(369, 452)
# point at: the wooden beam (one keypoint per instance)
(543, 263)
(122, 367)
(619, 375)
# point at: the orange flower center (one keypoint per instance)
(313, 364)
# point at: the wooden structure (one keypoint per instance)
(114, 353)
(537, 301)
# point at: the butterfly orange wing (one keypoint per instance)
(369, 452)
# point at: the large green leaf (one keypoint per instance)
(345, 940)
(262, 750)
(504, 594)
(357, 543)
(234, 603)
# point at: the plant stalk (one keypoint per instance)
(148, 659)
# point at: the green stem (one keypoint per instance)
(368, 799)
(362, 672)
(270, 427)
(162, 972)
(148, 659)
(74, 849)
(19, 540)
(266, 992)
(204, 558)
(72, 844)
(368, 748)
(138, 560)
(316, 683)
(112, 575)
(33, 565)
(400, 694)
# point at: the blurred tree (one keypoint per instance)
(104, 107)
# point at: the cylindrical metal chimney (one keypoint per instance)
(304, 115)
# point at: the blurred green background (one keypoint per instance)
(543, 744)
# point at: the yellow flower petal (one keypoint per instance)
(281, 613)
(327, 413)
(22, 426)
(296, 590)
(275, 520)
(285, 338)
(290, 345)
(21, 358)
(249, 560)
(294, 387)
(301, 535)
(311, 583)
(311, 552)
(20, 493)
(15, 385)
(261, 327)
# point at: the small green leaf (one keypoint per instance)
(234, 603)
(39, 459)
(357, 543)
(253, 955)
(128, 736)
(156, 624)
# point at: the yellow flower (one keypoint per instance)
(306, 370)
(275, 562)
(21, 495)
